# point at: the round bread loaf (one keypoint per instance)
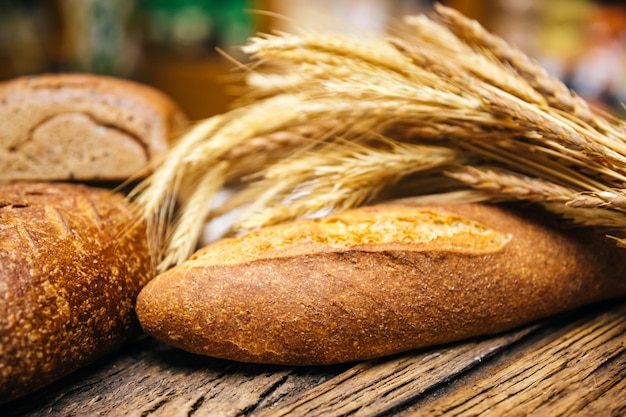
(376, 281)
(70, 271)
(82, 127)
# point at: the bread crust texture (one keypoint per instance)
(82, 127)
(375, 281)
(70, 271)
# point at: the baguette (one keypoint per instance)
(70, 271)
(376, 281)
(82, 127)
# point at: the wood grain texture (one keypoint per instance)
(574, 364)
(582, 372)
(372, 388)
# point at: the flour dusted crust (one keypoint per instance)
(70, 270)
(82, 127)
(376, 281)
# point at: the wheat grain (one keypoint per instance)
(188, 228)
(337, 177)
(603, 219)
(553, 89)
(374, 51)
(559, 134)
(506, 185)
(534, 161)
(556, 92)
(612, 198)
(437, 40)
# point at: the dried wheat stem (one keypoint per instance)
(613, 142)
(569, 204)
(157, 195)
(558, 94)
(460, 131)
(502, 184)
(553, 89)
(438, 40)
(319, 78)
(565, 136)
(262, 84)
(373, 51)
(151, 193)
(590, 217)
(257, 152)
(612, 198)
(620, 242)
(337, 177)
(187, 230)
(532, 161)
(555, 132)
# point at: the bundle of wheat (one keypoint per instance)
(333, 122)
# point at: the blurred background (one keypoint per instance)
(172, 44)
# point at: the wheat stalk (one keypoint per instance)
(506, 185)
(517, 103)
(440, 38)
(337, 176)
(555, 92)
(188, 228)
(332, 122)
(376, 52)
(614, 198)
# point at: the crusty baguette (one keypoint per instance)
(70, 271)
(82, 127)
(375, 281)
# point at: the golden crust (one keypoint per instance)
(70, 270)
(366, 229)
(326, 303)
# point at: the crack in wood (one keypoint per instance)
(158, 405)
(195, 406)
(271, 389)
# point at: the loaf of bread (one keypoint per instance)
(376, 281)
(82, 127)
(70, 271)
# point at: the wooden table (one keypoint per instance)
(574, 364)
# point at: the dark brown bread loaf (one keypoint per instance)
(375, 281)
(70, 271)
(82, 127)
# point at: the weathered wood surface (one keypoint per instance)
(571, 365)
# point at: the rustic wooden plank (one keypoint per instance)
(152, 379)
(581, 372)
(547, 368)
(377, 387)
